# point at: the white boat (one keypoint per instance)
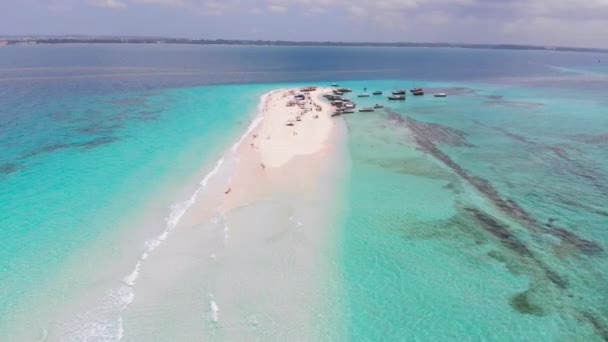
(378, 106)
(363, 95)
(441, 95)
(366, 109)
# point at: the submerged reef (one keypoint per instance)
(427, 136)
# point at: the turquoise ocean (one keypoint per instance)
(480, 216)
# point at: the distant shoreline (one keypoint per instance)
(174, 41)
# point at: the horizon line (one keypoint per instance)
(140, 39)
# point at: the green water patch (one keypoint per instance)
(523, 303)
(92, 165)
(427, 139)
(430, 197)
(419, 167)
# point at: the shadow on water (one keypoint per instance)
(9, 168)
(426, 137)
(499, 100)
(591, 138)
(481, 228)
(507, 238)
(523, 304)
(412, 166)
(599, 327)
(83, 145)
(99, 128)
(575, 167)
(452, 90)
(101, 125)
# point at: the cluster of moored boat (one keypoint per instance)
(399, 95)
(347, 106)
(343, 105)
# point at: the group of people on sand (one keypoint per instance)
(303, 111)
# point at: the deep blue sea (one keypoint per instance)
(480, 216)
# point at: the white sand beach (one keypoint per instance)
(265, 156)
(312, 125)
(256, 244)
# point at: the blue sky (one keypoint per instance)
(542, 22)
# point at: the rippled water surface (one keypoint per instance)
(480, 216)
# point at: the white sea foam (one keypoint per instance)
(214, 309)
(120, 329)
(43, 335)
(254, 124)
(176, 213)
(226, 232)
(257, 120)
(130, 279)
(293, 219)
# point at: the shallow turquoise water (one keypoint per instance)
(91, 165)
(419, 267)
(89, 168)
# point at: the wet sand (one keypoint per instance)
(256, 251)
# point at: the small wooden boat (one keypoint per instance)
(416, 90)
(345, 90)
(366, 109)
(399, 92)
(418, 93)
(441, 95)
(331, 97)
(363, 95)
(377, 92)
(378, 106)
(397, 98)
(335, 85)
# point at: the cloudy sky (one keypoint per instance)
(542, 22)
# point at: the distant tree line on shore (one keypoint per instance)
(152, 40)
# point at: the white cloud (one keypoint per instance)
(162, 2)
(316, 10)
(111, 4)
(525, 21)
(277, 8)
(59, 5)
